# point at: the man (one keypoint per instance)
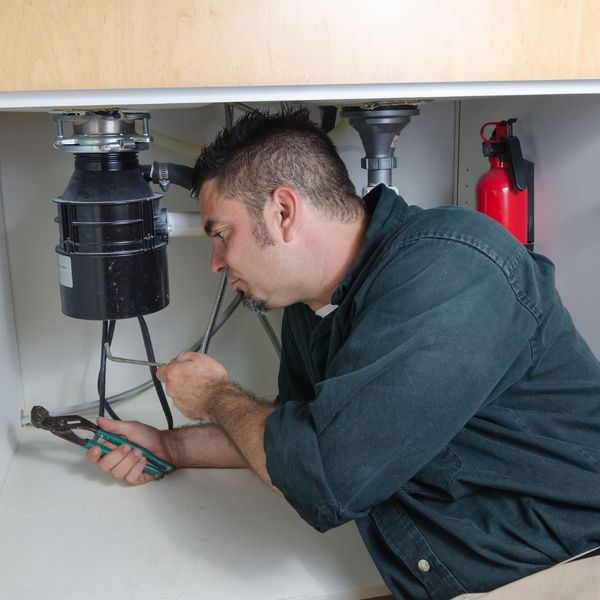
(432, 386)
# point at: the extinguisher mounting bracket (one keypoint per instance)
(515, 158)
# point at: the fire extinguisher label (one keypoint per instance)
(65, 273)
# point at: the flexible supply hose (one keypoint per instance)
(214, 312)
(270, 332)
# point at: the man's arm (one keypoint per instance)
(202, 446)
(243, 418)
(196, 446)
(201, 389)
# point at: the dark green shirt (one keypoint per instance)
(448, 406)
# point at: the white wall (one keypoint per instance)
(561, 136)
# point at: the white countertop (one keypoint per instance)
(70, 532)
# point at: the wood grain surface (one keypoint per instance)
(121, 44)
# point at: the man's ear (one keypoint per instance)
(286, 203)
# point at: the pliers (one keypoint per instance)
(63, 427)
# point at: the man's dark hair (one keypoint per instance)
(263, 151)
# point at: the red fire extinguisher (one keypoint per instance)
(505, 192)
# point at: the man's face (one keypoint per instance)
(243, 248)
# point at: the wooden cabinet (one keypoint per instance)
(149, 44)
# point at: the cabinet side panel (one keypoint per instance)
(11, 396)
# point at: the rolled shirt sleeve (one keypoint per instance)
(431, 336)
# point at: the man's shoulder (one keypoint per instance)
(454, 224)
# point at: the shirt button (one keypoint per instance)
(424, 566)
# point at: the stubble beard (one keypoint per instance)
(254, 304)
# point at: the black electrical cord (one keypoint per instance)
(102, 373)
(108, 330)
(157, 384)
(111, 331)
(109, 338)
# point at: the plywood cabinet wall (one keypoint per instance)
(125, 44)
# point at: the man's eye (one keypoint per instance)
(220, 234)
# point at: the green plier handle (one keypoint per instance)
(155, 466)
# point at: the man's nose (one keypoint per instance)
(217, 261)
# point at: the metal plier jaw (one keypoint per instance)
(63, 427)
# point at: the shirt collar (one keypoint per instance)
(386, 211)
(325, 310)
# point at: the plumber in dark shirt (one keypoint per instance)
(432, 386)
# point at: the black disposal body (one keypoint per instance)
(113, 236)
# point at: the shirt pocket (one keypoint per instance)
(435, 478)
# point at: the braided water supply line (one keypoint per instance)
(215, 311)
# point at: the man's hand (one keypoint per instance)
(193, 381)
(125, 463)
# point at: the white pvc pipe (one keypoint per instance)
(171, 143)
(184, 224)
